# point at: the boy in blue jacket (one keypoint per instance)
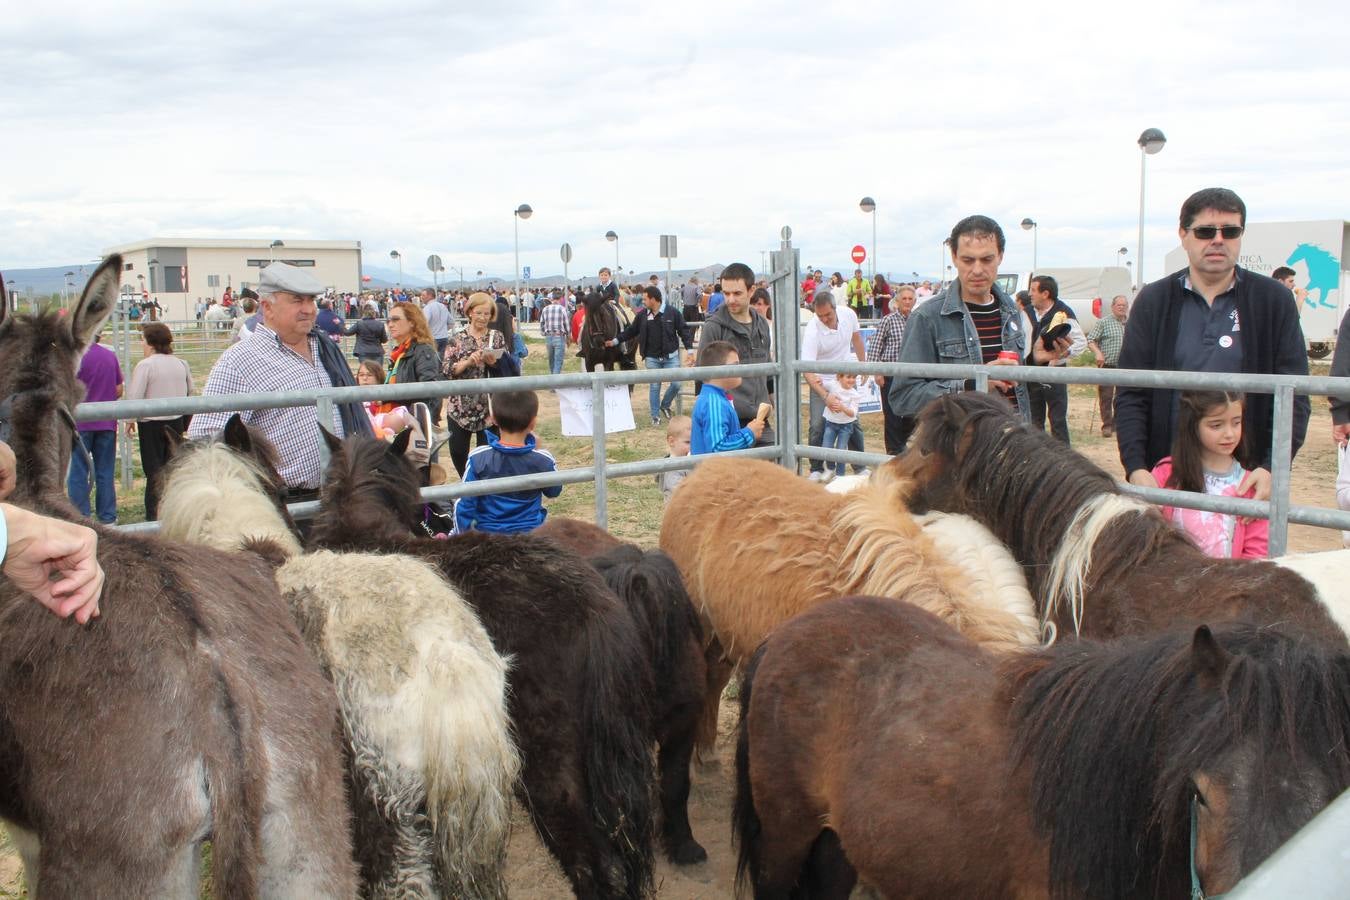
(716, 426)
(512, 452)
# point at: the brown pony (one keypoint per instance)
(190, 710)
(648, 582)
(757, 545)
(877, 743)
(1099, 563)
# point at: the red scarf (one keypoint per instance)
(394, 356)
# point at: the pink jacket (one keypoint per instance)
(1251, 540)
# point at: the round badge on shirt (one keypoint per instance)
(1226, 341)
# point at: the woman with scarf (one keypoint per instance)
(470, 351)
(413, 358)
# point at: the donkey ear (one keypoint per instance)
(1209, 658)
(173, 442)
(400, 443)
(97, 302)
(953, 412)
(333, 441)
(237, 436)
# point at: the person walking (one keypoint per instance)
(159, 375)
(371, 335)
(102, 377)
(1104, 341)
(553, 325)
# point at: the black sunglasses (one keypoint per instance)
(1207, 232)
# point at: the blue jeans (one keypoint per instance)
(655, 402)
(557, 349)
(816, 435)
(837, 436)
(103, 448)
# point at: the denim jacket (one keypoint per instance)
(942, 331)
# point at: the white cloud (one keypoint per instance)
(422, 126)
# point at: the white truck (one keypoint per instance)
(1319, 254)
(1087, 290)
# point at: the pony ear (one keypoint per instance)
(953, 412)
(400, 443)
(97, 302)
(237, 436)
(333, 441)
(1210, 659)
(173, 442)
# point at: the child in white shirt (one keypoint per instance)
(839, 425)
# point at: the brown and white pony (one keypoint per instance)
(189, 710)
(758, 545)
(1099, 563)
(422, 691)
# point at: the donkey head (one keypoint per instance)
(39, 357)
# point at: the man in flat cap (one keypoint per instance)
(285, 352)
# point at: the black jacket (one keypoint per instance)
(1272, 344)
(658, 333)
(1340, 368)
(421, 363)
(370, 338)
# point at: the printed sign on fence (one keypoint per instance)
(576, 406)
(873, 402)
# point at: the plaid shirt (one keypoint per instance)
(1108, 334)
(885, 343)
(261, 364)
(553, 320)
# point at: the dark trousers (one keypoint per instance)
(459, 444)
(897, 429)
(1055, 399)
(1106, 401)
(154, 440)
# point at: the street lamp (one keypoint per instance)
(868, 205)
(1030, 225)
(70, 284)
(523, 211)
(1150, 142)
(942, 260)
(394, 254)
(1120, 255)
(272, 250)
(613, 236)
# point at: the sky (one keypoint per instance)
(421, 127)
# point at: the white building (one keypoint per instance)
(179, 271)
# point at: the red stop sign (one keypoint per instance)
(859, 254)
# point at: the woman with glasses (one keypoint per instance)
(413, 358)
(470, 351)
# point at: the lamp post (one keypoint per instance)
(868, 205)
(69, 285)
(271, 250)
(613, 236)
(394, 254)
(942, 261)
(523, 211)
(1150, 142)
(1120, 255)
(1030, 225)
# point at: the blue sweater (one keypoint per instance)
(716, 426)
(512, 513)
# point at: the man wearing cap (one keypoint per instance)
(285, 352)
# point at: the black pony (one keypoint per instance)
(876, 742)
(602, 323)
(650, 584)
(579, 684)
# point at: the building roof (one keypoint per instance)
(261, 244)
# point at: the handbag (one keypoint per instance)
(506, 366)
(521, 349)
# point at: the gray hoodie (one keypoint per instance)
(752, 341)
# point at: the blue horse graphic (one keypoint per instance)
(1324, 272)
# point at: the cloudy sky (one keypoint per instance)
(420, 126)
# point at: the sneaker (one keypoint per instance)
(666, 413)
(827, 477)
(815, 476)
(656, 423)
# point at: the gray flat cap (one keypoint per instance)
(280, 276)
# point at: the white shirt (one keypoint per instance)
(829, 344)
(851, 398)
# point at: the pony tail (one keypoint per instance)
(616, 724)
(745, 825)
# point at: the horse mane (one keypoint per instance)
(1113, 734)
(667, 616)
(369, 491)
(996, 578)
(215, 496)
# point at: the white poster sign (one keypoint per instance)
(577, 405)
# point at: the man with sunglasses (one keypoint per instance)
(1212, 316)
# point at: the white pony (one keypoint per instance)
(1329, 572)
(219, 317)
(422, 691)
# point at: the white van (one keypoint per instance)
(1087, 290)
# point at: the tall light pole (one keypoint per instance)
(942, 260)
(868, 205)
(271, 250)
(65, 291)
(394, 254)
(523, 211)
(613, 236)
(1150, 142)
(1030, 225)
(1120, 255)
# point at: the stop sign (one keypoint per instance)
(859, 254)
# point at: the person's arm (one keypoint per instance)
(139, 380)
(859, 350)
(627, 334)
(1291, 358)
(1255, 539)
(908, 394)
(351, 329)
(225, 378)
(550, 466)
(1077, 340)
(36, 548)
(466, 508)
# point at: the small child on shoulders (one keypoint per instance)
(839, 425)
(512, 452)
(677, 442)
(715, 426)
(1205, 459)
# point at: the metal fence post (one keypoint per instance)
(122, 338)
(598, 452)
(1281, 449)
(323, 409)
(786, 326)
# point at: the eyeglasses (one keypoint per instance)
(1207, 232)
(397, 319)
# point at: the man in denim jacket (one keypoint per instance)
(968, 323)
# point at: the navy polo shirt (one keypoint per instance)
(1209, 336)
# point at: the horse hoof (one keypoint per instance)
(689, 853)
